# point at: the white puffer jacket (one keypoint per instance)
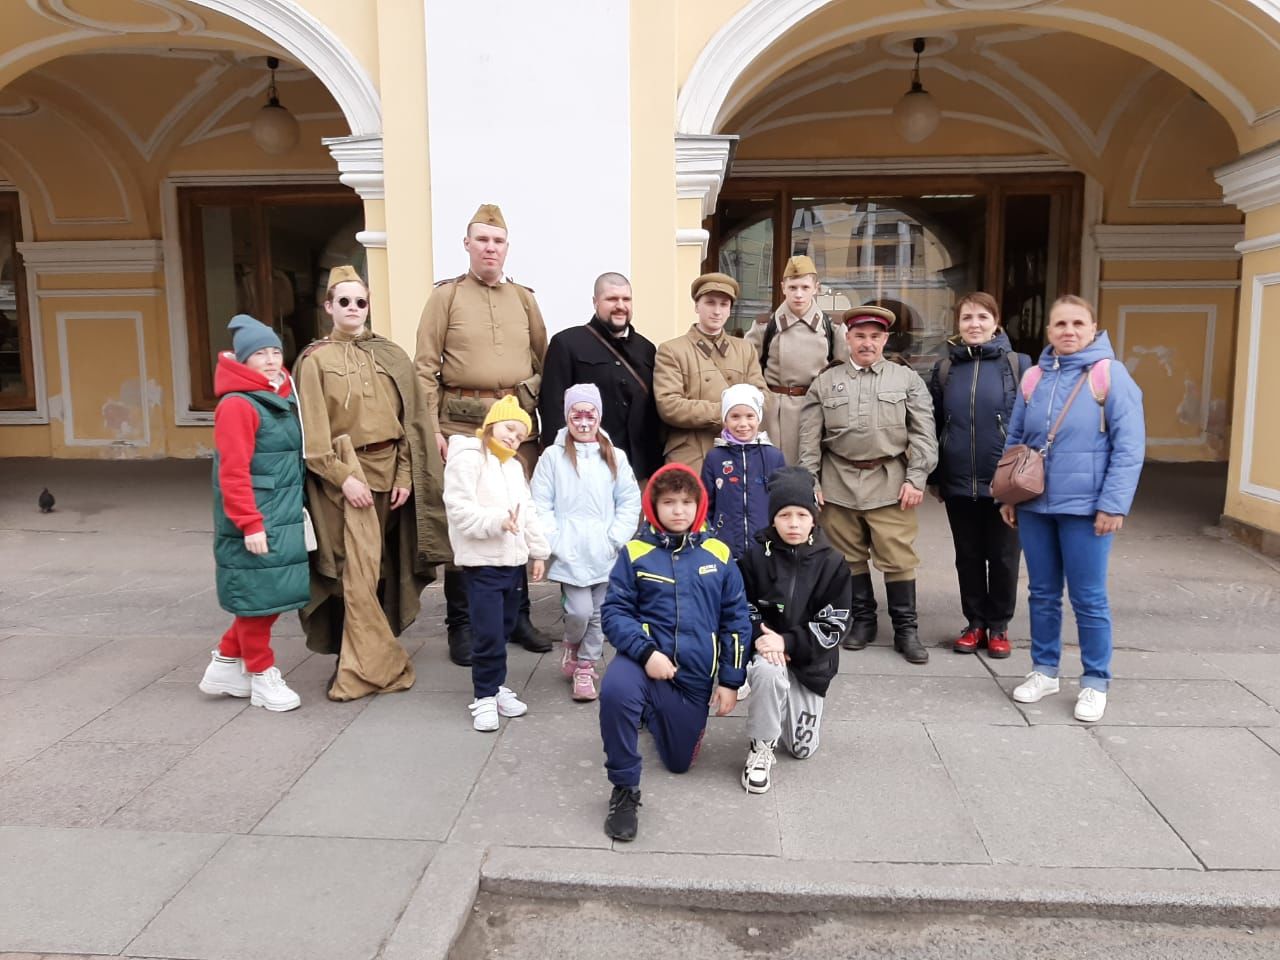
(479, 493)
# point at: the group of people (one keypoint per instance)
(711, 506)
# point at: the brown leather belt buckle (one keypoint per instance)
(375, 447)
(789, 391)
(869, 464)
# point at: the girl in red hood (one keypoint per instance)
(259, 545)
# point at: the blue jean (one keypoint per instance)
(631, 699)
(1059, 546)
(493, 602)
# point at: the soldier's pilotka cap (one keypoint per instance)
(344, 273)
(799, 267)
(714, 283)
(489, 215)
(869, 314)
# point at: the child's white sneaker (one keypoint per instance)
(484, 714)
(270, 691)
(760, 760)
(225, 676)
(509, 705)
(744, 691)
(1035, 687)
(1091, 704)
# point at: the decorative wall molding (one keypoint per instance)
(92, 256)
(372, 239)
(1210, 312)
(875, 166)
(695, 237)
(68, 415)
(702, 163)
(1169, 285)
(1267, 242)
(360, 165)
(1141, 172)
(1247, 486)
(1253, 181)
(1168, 241)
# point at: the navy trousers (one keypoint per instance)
(630, 699)
(493, 602)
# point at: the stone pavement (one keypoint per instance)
(139, 817)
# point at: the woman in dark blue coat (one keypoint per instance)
(1090, 476)
(973, 388)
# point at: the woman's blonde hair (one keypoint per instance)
(1071, 300)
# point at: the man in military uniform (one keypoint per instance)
(694, 369)
(866, 435)
(610, 353)
(481, 338)
(795, 345)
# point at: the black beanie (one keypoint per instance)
(791, 487)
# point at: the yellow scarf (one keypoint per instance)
(499, 450)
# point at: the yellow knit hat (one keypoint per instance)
(508, 408)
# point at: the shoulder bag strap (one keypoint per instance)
(620, 358)
(1053, 431)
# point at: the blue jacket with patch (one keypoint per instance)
(734, 475)
(680, 594)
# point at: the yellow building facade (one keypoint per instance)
(1119, 149)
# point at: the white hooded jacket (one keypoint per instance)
(480, 491)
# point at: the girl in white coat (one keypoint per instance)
(494, 531)
(588, 499)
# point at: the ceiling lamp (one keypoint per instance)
(274, 129)
(917, 113)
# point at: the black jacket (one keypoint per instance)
(972, 412)
(630, 415)
(804, 594)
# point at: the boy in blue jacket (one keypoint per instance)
(677, 613)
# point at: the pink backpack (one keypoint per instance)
(1099, 375)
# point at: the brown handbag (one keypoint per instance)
(1019, 475)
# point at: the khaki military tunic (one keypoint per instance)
(689, 374)
(858, 415)
(477, 342)
(798, 352)
(342, 389)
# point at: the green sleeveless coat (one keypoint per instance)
(250, 585)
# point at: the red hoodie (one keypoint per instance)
(235, 429)
(650, 510)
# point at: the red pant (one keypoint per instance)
(249, 638)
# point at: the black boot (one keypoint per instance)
(623, 821)
(902, 611)
(862, 628)
(456, 619)
(525, 633)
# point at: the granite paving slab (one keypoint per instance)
(1259, 673)
(163, 713)
(879, 660)
(30, 657)
(1125, 665)
(1159, 703)
(921, 698)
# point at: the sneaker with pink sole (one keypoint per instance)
(569, 659)
(584, 681)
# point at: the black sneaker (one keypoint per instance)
(622, 822)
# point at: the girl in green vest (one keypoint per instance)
(258, 541)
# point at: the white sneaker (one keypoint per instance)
(1035, 687)
(269, 690)
(744, 691)
(760, 760)
(509, 705)
(1091, 704)
(225, 676)
(484, 714)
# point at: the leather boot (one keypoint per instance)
(525, 633)
(862, 627)
(902, 611)
(456, 619)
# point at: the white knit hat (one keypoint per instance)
(741, 395)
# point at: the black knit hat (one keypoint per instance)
(791, 487)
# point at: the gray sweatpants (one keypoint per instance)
(781, 707)
(582, 619)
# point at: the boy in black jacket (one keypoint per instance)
(799, 592)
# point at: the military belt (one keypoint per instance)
(480, 394)
(789, 391)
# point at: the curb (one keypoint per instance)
(748, 884)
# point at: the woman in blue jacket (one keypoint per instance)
(973, 389)
(1091, 474)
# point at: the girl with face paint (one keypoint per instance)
(584, 489)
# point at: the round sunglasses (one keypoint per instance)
(360, 302)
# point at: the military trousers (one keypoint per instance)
(885, 535)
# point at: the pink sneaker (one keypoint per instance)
(584, 681)
(569, 659)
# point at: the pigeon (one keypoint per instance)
(46, 501)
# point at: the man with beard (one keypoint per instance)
(609, 352)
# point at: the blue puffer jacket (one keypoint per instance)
(1089, 469)
(587, 514)
(972, 412)
(680, 594)
(734, 475)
